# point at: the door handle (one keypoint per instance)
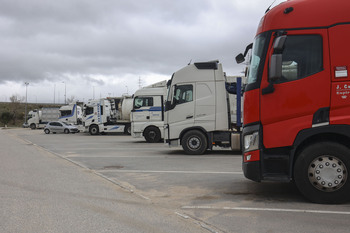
(189, 117)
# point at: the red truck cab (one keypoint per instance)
(297, 99)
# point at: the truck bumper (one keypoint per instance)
(252, 170)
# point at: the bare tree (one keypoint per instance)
(71, 99)
(17, 98)
(15, 104)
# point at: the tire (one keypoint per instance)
(33, 126)
(127, 129)
(152, 134)
(47, 131)
(321, 173)
(66, 131)
(194, 142)
(94, 130)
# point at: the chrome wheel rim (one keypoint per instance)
(194, 143)
(327, 173)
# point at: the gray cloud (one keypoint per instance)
(46, 40)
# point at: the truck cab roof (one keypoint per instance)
(296, 14)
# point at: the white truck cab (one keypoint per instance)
(198, 114)
(71, 113)
(147, 115)
(108, 115)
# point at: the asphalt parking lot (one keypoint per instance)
(210, 188)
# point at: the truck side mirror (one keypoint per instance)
(171, 104)
(168, 106)
(275, 71)
(240, 58)
(278, 45)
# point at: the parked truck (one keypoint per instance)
(108, 115)
(72, 113)
(297, 99)
(147, 115)
(198, 115)
(38, 118)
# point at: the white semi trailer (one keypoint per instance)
(108, 115)
(147, 115)
(38, 118)
(198, 114)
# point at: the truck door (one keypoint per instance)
(141, 109)
(181, 115)
(156, 111)
(302, 93)
(340, 50)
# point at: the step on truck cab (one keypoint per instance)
(297, 99)
(147, 115)
(198, 115)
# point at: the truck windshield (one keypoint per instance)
(168, 87)
(257, 57)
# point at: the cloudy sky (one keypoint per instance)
(105, 48)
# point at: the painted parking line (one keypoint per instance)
(156, 156)
(268, 209)
(184, 172)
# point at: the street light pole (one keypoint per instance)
(26, 83)
(54, 94)
(65, 93)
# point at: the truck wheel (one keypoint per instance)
(94, 130)
(321, 173)
(127, 129)
(47, 131)
(66, 131)
(32, 126)
(152, 134)
(194, 142)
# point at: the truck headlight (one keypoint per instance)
(251, 142)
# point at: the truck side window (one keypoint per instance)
(89, 110)
(143, 102)
(183, 94)
(66, 112)
(302, 57)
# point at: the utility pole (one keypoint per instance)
(26, 83)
